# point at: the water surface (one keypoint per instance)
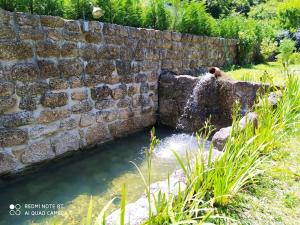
(100, 172)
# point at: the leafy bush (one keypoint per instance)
(267, 48)
(289, 14)
(195, 20)
(286, 50)
(156, 15)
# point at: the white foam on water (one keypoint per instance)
(181, 143)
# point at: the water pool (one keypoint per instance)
(99, 172)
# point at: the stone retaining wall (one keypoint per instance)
(63, 88)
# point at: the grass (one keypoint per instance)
(262, 72)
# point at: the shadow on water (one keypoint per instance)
(72, 180)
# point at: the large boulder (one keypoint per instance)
(249, 118)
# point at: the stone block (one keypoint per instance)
(52, 21)
(52, 100)
(32, 89)
(6, 89)
(132, 90)
(10, 50)
(119, 92)
(125, 113)
(79, 95)
(58, 84)
(7, 33)
(69, 123)
(37, 152)
(45, 130)
(121, 128)
(141, 78)
(53, 34)
(97, 134)
(47, 49)
(70, 67)
(72, 25)
(100, 93)
(107, 115)
(8, 163)
(100, 68)
(24, 72)
(124, 67)
(65, 142)
(48, 69)
(76, 82)
(92, 37)
(11, 137)
(7, 103)
(16, 119)
(50, 115)
(124, 103)
(109, 52)
(105, 104)
(27, 33)
(82, 106)
(87, 119)
(25, 19)
(69, 50)
(144, 88)
(89, 52)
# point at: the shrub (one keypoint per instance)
(195, 20)
(289, 14)
(286, 49)
(267, 47)
(78, 9)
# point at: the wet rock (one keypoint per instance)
(122, 128)
(70, 67)
(11, 137)
(220, 138)
(68, 141)
(100, 93)
(50, 115)
(97, 133)
(6, 89)
(37, 152)
(52, 100)
(249, 118)
(16, 119)
(24, 72)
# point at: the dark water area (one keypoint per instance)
(65, 186)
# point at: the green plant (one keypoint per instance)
(289, 14)
(195, 20)
(267, 48)
(286, 50)
(156, 15)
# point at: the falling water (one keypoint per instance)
(192, 108)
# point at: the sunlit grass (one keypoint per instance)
(256, 72)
